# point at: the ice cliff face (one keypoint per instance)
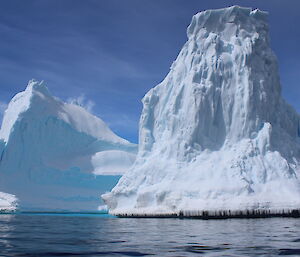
(216, 134)
(56, 155)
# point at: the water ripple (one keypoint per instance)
(46, 235)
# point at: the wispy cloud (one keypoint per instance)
(3, 107)
(83, 102)
(122, 124)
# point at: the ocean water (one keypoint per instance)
(103, 235)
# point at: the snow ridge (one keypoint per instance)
(36, 93)
(216, 134)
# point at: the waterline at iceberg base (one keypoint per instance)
(216, 138)
(220, 214)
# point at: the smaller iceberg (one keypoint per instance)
(8, 202)
(56, 155)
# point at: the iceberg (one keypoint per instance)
(8, 202)
(216, 136)
(56, 155)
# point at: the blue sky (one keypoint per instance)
(109, 53)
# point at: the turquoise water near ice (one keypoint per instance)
(86, 234)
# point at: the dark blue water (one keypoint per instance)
(101, 235)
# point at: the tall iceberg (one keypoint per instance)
(56, 155)
(216, 134)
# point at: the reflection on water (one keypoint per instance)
(6, 226)
(96, 235)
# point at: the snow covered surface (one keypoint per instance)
(216, 134)
(56, 155)
(8, 202)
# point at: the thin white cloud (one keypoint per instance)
(83, 102)
(3, 107)
(121, 123)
